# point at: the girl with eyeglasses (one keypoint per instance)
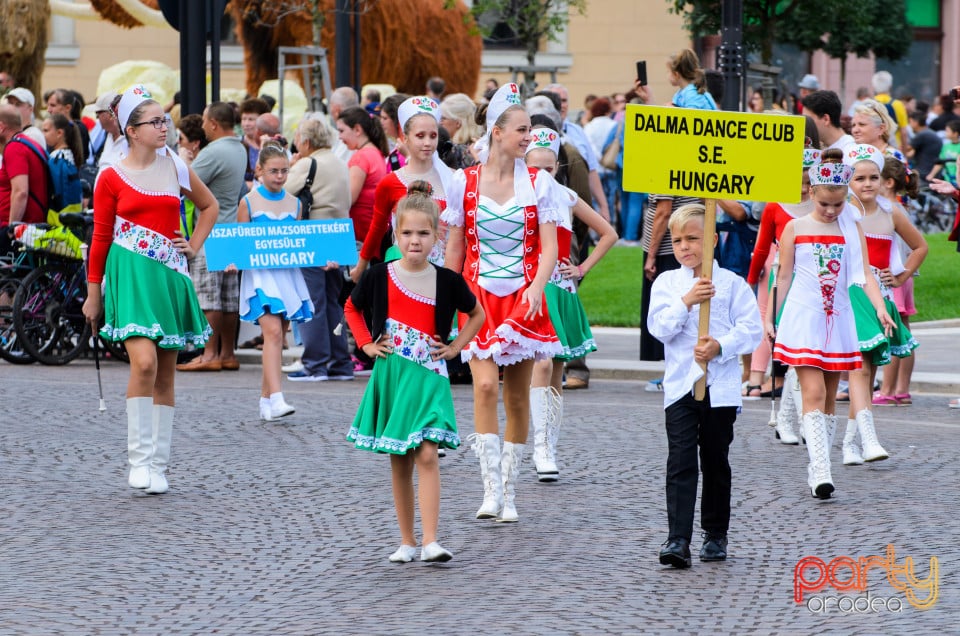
(137, 277)
(270, 296)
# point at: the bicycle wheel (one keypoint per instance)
(116, 350)
(48, 313)
(11, 349)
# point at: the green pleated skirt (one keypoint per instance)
(875, 346)
(143, 298)
(570, 322)
(403, 405)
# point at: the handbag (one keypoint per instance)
(306, 194)
(609, 158)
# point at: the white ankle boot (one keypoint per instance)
(818, 448)
(486, 446)
(787, 415)
(872, 450)
(279, 407)
(851, 449)
(544, 413)
(510, 468)
(162, 434)
(139, 440)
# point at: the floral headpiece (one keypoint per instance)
(830, 174)
(863, 152)
(421, 105)
(811, 157)
(545, 138)
(132, 98)
(893, 153)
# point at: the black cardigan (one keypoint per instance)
(370, 297)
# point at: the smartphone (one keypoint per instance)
(642, 72)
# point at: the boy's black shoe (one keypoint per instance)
(714, 547)
(676, 552)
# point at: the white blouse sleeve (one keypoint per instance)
(552, 198)
(453, 215)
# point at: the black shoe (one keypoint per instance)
(714, 547)
(676, 552)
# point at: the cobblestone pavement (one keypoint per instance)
(284, 528)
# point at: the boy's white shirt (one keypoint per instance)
(734, 323)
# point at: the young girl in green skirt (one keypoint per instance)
(407, 408)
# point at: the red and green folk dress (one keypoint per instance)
(883, 254)
(407, 399)
(147, 290)
(566, 311)
(502, 244)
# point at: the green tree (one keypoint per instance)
(763, 20)
(530, 21)
(863, 27)
(860, 27)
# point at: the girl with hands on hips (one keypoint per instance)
(407, 408)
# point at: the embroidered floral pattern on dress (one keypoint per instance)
(414, 345)
(440, 436)
(153, 245)
(828, 257)
(556, 278)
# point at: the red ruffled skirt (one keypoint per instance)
(508, 337)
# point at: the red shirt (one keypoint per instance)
(772, 223)
(372, 163)
(18, 159)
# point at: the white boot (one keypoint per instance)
(486, 446)
(162, 433)
(872, 450)
(851, 449)
(818, 470)
(510, 468)
(541, 412)
(279, 407)
(787, 414)
(831, 424)
(139, 440)
(553, 428)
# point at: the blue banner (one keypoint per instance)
(281, 245)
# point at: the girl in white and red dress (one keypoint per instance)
(140, 258)
(407, 408)
(879, 221)
(503, 236)
(821, 254)
(268, 297)
(772, 223)
(566, 311)
(419, 132)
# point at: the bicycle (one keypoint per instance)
(930, 212)
(13, 268)
(47, 308)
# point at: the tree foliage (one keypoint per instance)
(860, 27)
(530, 21)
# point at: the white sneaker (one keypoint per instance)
(293, 367)
(434, 552)
(404, 554)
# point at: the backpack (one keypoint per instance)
(42, 155)
(67, 189)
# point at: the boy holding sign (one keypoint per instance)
(708, 424)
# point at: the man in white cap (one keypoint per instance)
(105, 147)
(22, 99)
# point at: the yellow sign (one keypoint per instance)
(713, 154)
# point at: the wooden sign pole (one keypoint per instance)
(706, 271)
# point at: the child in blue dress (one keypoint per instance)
(270, 296)
(407, 408)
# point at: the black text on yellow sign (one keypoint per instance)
(713, 154)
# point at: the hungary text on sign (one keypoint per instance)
(713, 154)
(279, 245)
